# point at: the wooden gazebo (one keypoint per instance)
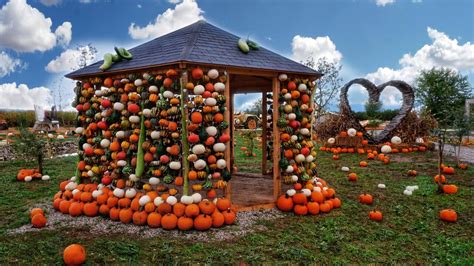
(204, 46)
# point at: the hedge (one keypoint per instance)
(13, 118)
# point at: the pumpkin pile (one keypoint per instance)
(38, 219)
(153, 135)
(28, 175)
(314, 198)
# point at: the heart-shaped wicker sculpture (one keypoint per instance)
(374, 96)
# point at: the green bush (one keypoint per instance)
(384, 115)
(13, 117)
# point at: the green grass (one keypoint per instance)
(245, 163)
(410, 233)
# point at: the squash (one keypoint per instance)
(199, 90)
(211, 131)
(200, 164)
(176, 165)
(199, 149)
(396, 140)
(221, 164)
(219, 87)
(74, 254)
(219, 147)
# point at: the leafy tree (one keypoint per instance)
(328, 85)
(443, 93)
(256, 108)
(28, 145)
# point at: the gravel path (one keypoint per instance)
(247, 222)
(467, 153)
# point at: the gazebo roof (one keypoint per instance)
(199, 43)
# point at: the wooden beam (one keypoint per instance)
(276, 140)
(264, 133)
(228, 118)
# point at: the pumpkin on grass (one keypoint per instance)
(366, 199)
(38, 220)
(450, 189)
(74, 254)
(448, 215)
(375, 216)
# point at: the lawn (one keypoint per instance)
(410, 233)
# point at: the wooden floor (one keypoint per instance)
(252, 191)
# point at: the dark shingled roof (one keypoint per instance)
(200, 42)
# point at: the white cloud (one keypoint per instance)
(21, 97)
(64, 33)
(384, 2)
(69, 60)
(85, 1)
(174, 1)
(50, 2)
(307, 47)
(442, 52)
(416, 1)
(9, 64)
(24, 28)
(183, 14)
(139, 6)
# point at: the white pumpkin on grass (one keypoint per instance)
(221, 164)
(382, 186)
(200, 164)
(45, 177)
(331, 140)
(130, 193)
(396, 140)
(119, 193)
(186, 199)
(104, 143)
(196, 197)
(199, 89)
(345, 169)
(157, 201)
(219, 87)
(386, 149)
(351, 132)
(168, 94)
(154, 181)
(407, 192)
(198, 149)
(219, 147)
(171, 200)
(175, 165)
(211, 131)
(213, 73)
(145, 199)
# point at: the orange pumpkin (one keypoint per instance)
(126, 215)
(450, 189)
(74, 254)
(185, 223)
(154, 220)
(38, 220)
(218, 219)
(192, 210)
(207, 207)
(229, 216)
(285, 203)
(169, 221)
(313, 208)
(223, 204)
(196, 117)
(140, 218)
(448, 215)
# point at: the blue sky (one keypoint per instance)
(368, 37)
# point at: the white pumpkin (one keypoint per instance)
(154, 181)
(291, 192)
(74, 192)
(305, 132)
(317, 189)
(50, 136)
(210, 101)
(60, 137)
(124, 81)
(90, 173)
(294, 138)
(199, 89)
(155, 134)
(213, 73)
(345, 169)
(119, 106)
(146, 75)
(292, 116)
(168, 94)
(144, 200)
(306, 192)
(97, 193)
(351, 132)
(196, 197)
(121, 163)
(79, 130)
(176, 165)
(119, 193)
(211, 131)
(130, 193)
(386, 149)
(153, 89)
(381, 186)
(86, 146)
(407, 192)
(186, 199)
(219, 87)
(219, 147)
(147, 112)
(287, 96)
(289, 169)
(419, 141)
(300, 158)
(309, 158)
(282, 77)
(98, 93)
(171, 200)
(45, 177)
(138, 82)
(104, 143)
(71, 186)
(200, 164)
(302, 87)
(198, 149)
(396, 140)
(120, 134)
(157, 201)
(331, 140)
(294, 178)
(133, 178)
(134, 119)
(221, 164)
(73, 178)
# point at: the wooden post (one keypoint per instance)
(184, 130)
(276, 140)
(228, 149)
(264, 133)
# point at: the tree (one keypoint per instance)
(328, 85)
(442, 92)
(29, 145)
(255, 108)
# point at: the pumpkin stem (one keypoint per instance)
(184, 132)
